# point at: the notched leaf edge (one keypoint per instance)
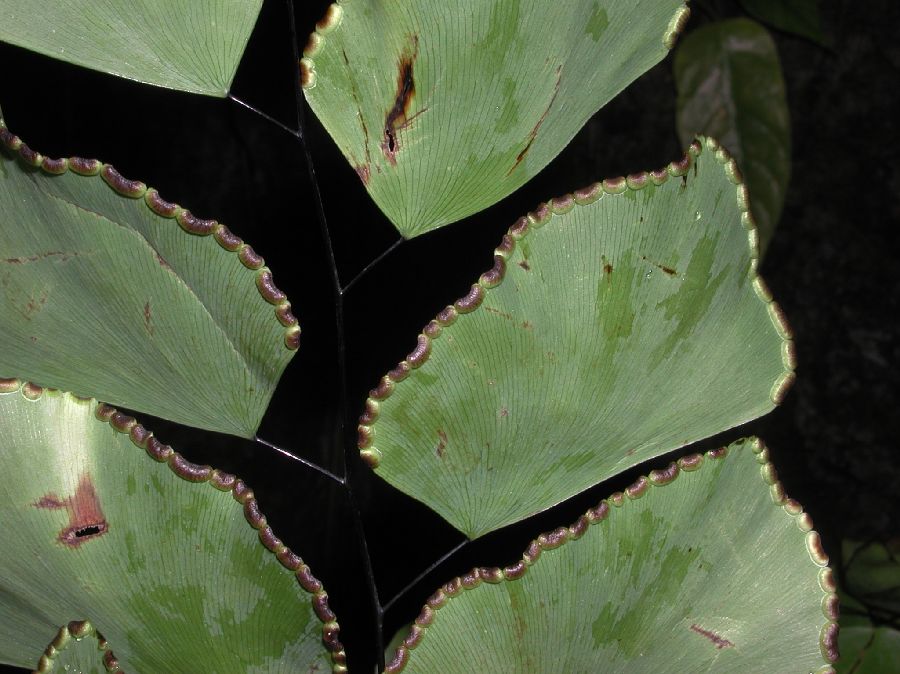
(74, 632)
(189, 223)
(224, 482)
(828, 635)
(539, 217)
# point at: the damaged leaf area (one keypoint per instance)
(693, 541)
(191, 324)
(444, 110)
(617, 323)
(167, 564)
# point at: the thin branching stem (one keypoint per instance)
(427, 572)
(268, 118)
(299, 459)
(348, 454)
(372, 264)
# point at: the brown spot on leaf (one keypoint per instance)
(398, 117)
(86, 519)
(663, 268)
(148, 316)
(524, 265)
(496, 311)
(442, 444)
(534, 131)
(720, 642)
(53, 254)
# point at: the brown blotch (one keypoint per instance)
(122, 422)
(32, 391)
(370, 413)
(159, 205)
(55, 254)
(532, 552)
(453, 587)
(720, 642)
(249, 258)
(506, 247)
(433, 329)
(578, 529)
(363, 172)
(442, 444)
(86, 519)
(599, 513)
(534, 131)
(496, 311)
(524, 265)
(9, 139)
(398, 116)
(148, 316)
(690, 462)
(9, 385)
(292, 339)
(666, 270)
(719, 453)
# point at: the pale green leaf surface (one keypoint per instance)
(102, 296)
(623, 328)
(730, 87)
(169, 571)
(445, 108)
(800, 17)
(707, 573)
(191, 45)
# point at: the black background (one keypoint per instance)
(832, 266)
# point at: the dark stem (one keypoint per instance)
(424, 574)
(306, 462)
(268, 118)
(346, 442)
(372, 264)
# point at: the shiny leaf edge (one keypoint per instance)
(828, 634)
(493, 277)
(189, 223)
(217, 479)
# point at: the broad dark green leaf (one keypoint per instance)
(170, 562)
(705, 566)
(866, 649)
(617, 324)
(190, 45)
(730, 87)
(799, 17)
(109, 291)
(445, 108)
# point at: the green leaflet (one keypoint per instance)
(617, 324)
(445, 108)
(866, 649)
(705, 573)
(190, 46)
(730, 87)
(800, 17)
(159, 556)
(111, 292)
